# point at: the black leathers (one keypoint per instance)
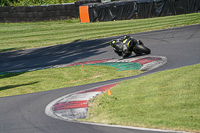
(123, 46)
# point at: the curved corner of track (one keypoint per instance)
(75, 106)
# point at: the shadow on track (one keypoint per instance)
(46, 56)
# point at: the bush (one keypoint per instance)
(32, 2)
(4, 3)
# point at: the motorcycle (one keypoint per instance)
(126, 45)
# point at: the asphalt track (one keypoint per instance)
(26, 113)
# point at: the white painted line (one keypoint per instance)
(129, 127)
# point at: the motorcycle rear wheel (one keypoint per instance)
(140, 49)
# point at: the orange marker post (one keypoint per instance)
(109, 92)
(82, 65)
(84, 14)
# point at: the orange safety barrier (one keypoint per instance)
(84, 14)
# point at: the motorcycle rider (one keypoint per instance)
(123, 46)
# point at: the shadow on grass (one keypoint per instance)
(14, 86)
(77, 40)
(11, 49)
(8, 75)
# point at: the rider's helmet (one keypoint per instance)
(124, 38)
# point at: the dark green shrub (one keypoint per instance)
(33, 2)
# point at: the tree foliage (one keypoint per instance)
(32, 2)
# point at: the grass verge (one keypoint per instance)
(164, 100)
(49, 79)
(17, 36)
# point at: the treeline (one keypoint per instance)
(33, 2)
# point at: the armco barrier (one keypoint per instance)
(132, 9)
(38, 13)
(97, 11)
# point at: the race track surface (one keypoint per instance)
(26, 113)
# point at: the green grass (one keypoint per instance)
(49, 79)
(165, 100)
(17, 36)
